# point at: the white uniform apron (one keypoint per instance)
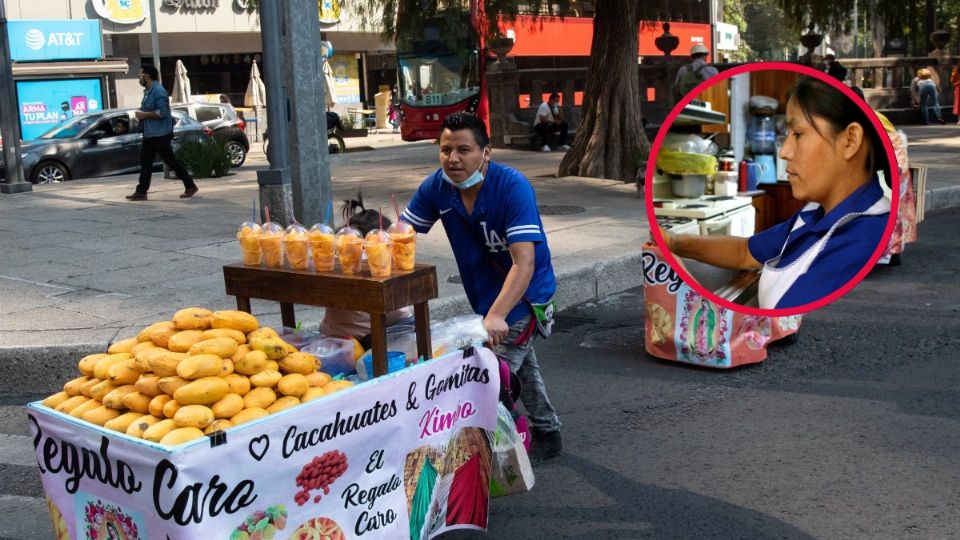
(775, 282)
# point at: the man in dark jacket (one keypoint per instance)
(833, 68)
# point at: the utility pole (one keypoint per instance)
(9, 119)
(155, 40)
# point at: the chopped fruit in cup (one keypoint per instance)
(349, 250)
(249, 238)
(404, 245)
(379, 254)
(271, 243)
(323, 245)
(295, 243)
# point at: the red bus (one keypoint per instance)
(440, 73)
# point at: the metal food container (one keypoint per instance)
(689, 186)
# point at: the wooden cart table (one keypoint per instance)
(359, 292)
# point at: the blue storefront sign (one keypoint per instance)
(39, 41)
(44, 104)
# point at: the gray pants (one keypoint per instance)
(522, 360)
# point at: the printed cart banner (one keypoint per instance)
(404, 456)
(682, 325)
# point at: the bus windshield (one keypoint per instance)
(431, 73)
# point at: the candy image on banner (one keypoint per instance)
(262, 524)
(318, 528)
(105, 520)
(60, 531)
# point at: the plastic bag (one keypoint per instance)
(673, 162)
(688, 144)
(512, 472)
(457, 333)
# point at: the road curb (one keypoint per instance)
(46, 369)
(941, 198)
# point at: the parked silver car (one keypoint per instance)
(98, 144)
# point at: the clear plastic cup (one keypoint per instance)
(296, 245)
(379, 250)
(324, 247)
(249, 237)
(271, 244)
(404, 245)
(349, 250)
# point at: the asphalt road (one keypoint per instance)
(852, 432)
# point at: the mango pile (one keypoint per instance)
(201, 372)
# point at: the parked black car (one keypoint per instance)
(97, 144)
(227, 126)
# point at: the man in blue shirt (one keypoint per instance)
(157, 127)
(489, 213)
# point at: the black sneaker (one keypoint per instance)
(545, 445)
(189, 192)
(137, 196)
(942, 121)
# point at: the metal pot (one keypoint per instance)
(689, 186)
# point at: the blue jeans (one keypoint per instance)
(929, 98)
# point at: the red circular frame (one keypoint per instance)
(891, 159)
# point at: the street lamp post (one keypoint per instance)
(9, 121)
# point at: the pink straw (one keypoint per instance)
(381, 218)
(266, 212)
(396, 205)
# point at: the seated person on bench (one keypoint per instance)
(550, 120)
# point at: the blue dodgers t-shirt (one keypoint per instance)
(505, 212)
(845, 254)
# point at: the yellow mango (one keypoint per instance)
(100, 370)
(198, 416)
(101, 415)
(260, 333)
(242, 351)
(159, 429)
(274, 347)
(73, 387)
(83, 408)
(282, 403)
(236, 335)
(148, 385)
(273, 365)
(267, 378)
(203, 391)
(136, 428)
(227, 406)
(293, 384)
(239, 384)
(137, 402)
(220, 424)
(170, 408)
(158, 333)
(143, 345)
(192, 319)
(69, 404)
(299, 362)
(183, 340)
(259, 397)
(101, 389)
(181, 435)
(247, 415)
(156, 405)
(253, 362)
(313, 393)
(123, 372)
(55, 399)
(87, 386)
(87, 363)
(223, 347)
(227, 368)
(318, 378)
(123, 346)
(237, 320)
(336, 386)
(123, 422)
(170, 385)
(161, 361)
(201, 365)
(114, 398)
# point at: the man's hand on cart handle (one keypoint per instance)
(496, 327)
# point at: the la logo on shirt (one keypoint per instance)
(494, 242)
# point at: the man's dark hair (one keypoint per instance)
(554, 95)
(151, 72)
(464, 120)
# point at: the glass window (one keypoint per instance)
(70, 128)
(206, 114)
(438, 78)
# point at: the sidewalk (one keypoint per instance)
(83, 267)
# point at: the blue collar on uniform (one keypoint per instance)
(860, 200)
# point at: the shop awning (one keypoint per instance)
(89, 67)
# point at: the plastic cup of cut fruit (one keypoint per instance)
(349, 250)
(296, 245)
(249, 237)
(379, 250)
(324, 247)
(271, 244)
(404, 245)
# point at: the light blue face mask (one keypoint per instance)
(471, 181)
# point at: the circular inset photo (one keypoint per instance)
(769, 189)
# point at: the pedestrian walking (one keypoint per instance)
(156, 123)
(489, 212)
(925, 95)
(955, 82)
(692, 74)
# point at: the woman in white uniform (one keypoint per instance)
(833, 154)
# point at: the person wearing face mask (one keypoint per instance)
(833, 155)
(489, 212)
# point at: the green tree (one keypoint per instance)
(768, 32)
(734, 13)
